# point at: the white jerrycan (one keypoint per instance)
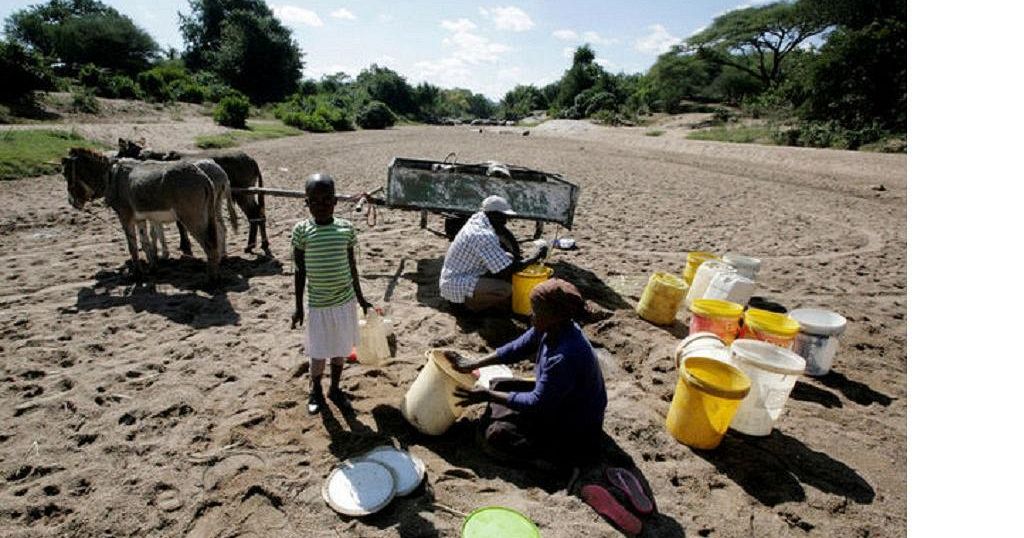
(373, 339)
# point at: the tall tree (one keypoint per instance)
(768, 34)
(387, 86)
(80, 32)
(244, 44)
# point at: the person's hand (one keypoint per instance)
(542, 252)
(366, 306)
(472, 396)
(298, 317)
(460, 363)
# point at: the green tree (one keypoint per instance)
(428, 102)
(81, 32)
(521, 101)
(24, 72)
(767, 35)
(258, 57)
(582, 75)
(244, 44)
(387, 86)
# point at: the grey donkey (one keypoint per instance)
(242, 171)
(155, 191)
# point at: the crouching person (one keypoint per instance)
(557, 419)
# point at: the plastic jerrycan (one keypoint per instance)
(373, 339)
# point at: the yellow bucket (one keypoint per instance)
(693, 261)
(772, 327)
(661, 298)
(523, 283)
(707, 395)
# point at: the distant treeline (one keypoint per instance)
(821, 72)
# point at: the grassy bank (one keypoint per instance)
(255, 131)
(754, 134)
(37, 152)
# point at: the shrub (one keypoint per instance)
(232, 111)
(187, 91)
(608, 117)
(84, 100)
(153, 86)
(123, 87)
(376, 115)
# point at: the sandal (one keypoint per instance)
(633, 489)
(316, 399)
(610, 508)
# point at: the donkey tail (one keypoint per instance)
(230, 202)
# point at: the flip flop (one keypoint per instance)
(608, 506)
(631, 486)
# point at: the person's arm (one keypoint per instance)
(514, 351)
(554, 381)
(299, 257)
(355, 280)
(517, 266)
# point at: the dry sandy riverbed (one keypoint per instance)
(167, 410)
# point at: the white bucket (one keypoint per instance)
(703, 344)
(732, 287)
(746, 265)
(430, 403)
(702, 279)
(773, 372)
(373, 339)
(818, 338)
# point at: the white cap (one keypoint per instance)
(496, 203)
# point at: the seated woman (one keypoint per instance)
(558, 418)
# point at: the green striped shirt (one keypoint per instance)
(328, 278)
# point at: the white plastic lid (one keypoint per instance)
(819, 321)
(769, 357)
(710, 337)
(493, 372)
(739, 260)
(407, 469)
(358, 487)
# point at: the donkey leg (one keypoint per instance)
(133, 248)
(250, 245)
(186, 246)
(144, 228)
(266, 242)
(158, 232)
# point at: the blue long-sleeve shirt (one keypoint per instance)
(569, 397)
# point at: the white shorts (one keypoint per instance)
(332, 331)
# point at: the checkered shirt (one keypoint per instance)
(475, 252)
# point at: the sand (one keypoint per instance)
(168, 409)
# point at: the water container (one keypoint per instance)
(771, 327)
(745, 265)
(523, 283)
(705, 273)
(818, 338)
(693, 261)
(707, 395)
(661, 298)
(702, 345)
(716, 316)
(430, 403)
(373, 339)
(732, 287)
(773, 372)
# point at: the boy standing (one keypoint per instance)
(323, 253)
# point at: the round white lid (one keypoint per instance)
(768, 356)
(819, 321)
(741, 260)
(358, 487)
(407, 469)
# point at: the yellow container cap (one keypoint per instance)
(668, 279)
(771, 322)
(716, 308)
(536, 270)
(716, 378)
(700, 255)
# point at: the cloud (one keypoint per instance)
(386, 17)
(475, 49)
(657, 42)
(508, 18)
(343, 14)
(568, 52)
(565, 35)
(297, 15)
(459, 26)
(596, 39)
(605, 63)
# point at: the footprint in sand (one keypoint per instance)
(166, 497)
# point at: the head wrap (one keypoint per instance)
(557, 298)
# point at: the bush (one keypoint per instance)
(84, 100)
(232, 112)
(828, 134)
(23, 72)
(607, 117)
(316, 113)
(376, 115)
(187, 91)
(122, 87)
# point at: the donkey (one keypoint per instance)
(157, 192)
(243, 172)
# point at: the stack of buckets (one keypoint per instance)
(737, 367)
